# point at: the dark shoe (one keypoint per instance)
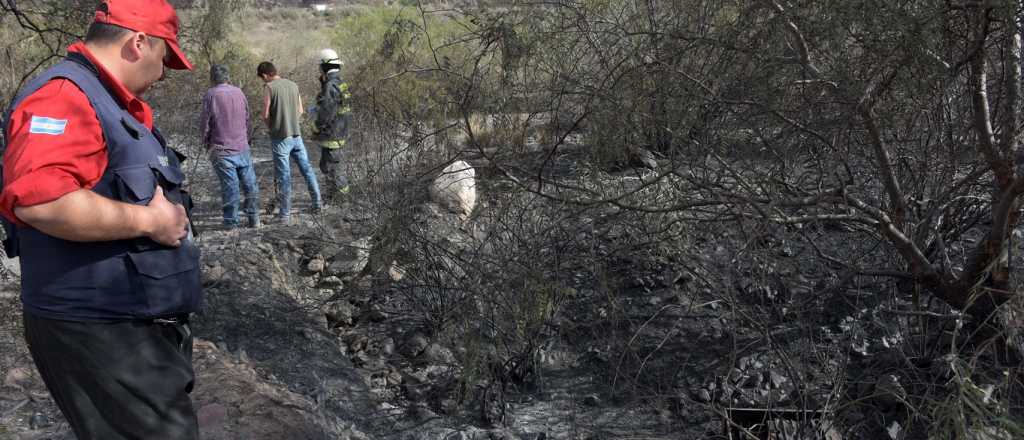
(254, 222)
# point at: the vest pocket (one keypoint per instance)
(136, 184)
(168, 279)
(172, 175)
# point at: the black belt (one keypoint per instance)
(180, 324)
(174, 319)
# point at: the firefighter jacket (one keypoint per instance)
(334, 114)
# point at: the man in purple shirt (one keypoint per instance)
(224, 129)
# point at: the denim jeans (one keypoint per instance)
(230, 171)
(292, 148)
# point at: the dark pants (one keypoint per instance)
(122, 380)
(334, 178)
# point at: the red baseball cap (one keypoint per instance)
(154, 17)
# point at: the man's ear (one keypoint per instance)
(133, 45)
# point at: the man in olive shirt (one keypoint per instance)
(282, 108)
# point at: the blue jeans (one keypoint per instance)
(292, 148)
(230, 171)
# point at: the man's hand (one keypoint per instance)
(167, 223)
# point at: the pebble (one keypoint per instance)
(39, 420)
(316, 265)
(17, 378)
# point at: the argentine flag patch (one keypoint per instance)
(44, 125)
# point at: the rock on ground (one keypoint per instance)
(455, 188)
(233, 401)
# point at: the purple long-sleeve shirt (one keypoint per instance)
(224, 121)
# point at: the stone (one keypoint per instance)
(665, 417)
(358, 343)
(776, 379)
(423, 413)
(339, 313)
(352, 259)
(387, 346)
(469, 433)
(894, 430)
(351, 433)
(415, 392)
(455, 189)
(366, 361)
(39, 421)
(436, 354)
(395, 272)
(502, 434)
(243, 357)
(988, 433)
(19, 378)
(11, 267)
(332, 282)
(375, 314)
(748, 363)
(213, 275)
(414, 345)
(641, 157)
(317, 264)
(394, 378)
(456, 435)
(450, 406)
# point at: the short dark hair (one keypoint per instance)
(266, 68)
(105, 33)
(219, 74)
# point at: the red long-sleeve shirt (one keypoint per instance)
(41, 167)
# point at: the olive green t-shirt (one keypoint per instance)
(284, 109)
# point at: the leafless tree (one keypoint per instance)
(899, 121)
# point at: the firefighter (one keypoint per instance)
(333, 122)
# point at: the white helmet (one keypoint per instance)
(329, 56)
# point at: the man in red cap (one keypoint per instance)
(93, 206)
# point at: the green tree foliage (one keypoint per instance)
(398, 60)
(216, 37)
